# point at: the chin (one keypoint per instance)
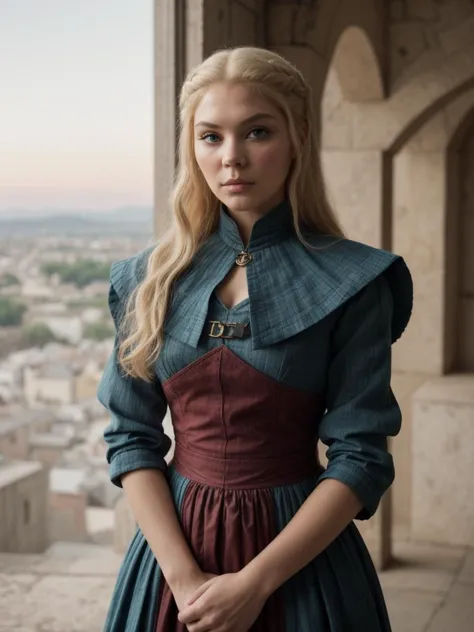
(241, 203)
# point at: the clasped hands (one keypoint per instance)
(220, 603)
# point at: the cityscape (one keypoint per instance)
(56, 334)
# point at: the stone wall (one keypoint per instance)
(15, 444)
(23, 508)
(397, 176)
(464, 359)
(67, 517)
(393, 84)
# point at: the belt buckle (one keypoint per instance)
(218, 330)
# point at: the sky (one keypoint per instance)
(76, 104)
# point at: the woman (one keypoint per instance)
(264, 330)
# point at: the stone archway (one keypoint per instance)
(357, 67)
(429, 170)
(424, 232)
(354, 177)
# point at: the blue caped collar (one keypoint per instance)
(291, 287)
(270, 229)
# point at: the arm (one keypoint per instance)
(362, 412)
(136, 447)
(150, 499)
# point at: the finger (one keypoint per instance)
(199, 592)
(200, 626)
(189, 615)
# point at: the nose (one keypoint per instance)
(234, 154)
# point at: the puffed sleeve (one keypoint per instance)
(361, 408)
(134, 436)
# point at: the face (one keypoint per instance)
(242, 147)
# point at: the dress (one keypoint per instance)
(312, 363)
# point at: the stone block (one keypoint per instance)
(243, 26)
(355, 189)
(418, 566)
(404, 385)
(459, 37)
(419, 236)
(443, 461)
(407, 45)
(398, 10)
(411, 611)
(56, 604)
(422, 9)
(466, 576)
(434, 136)
(309, 63)
(465, 344)
(457, 611)
(279, 20)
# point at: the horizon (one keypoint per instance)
(77, 106)
(73, 211)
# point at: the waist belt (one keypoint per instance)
(217, 329)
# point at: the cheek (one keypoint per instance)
(207, 160)
(273, 159)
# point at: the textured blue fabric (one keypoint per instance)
(339, 590)
(135, 434)
(361, 408)
(133, 607)
(291, 287)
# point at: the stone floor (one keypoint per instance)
(430, 589)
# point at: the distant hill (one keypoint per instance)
(134, 221)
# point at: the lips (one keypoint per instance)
(234, 182)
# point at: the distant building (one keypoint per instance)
(35, 289)
(60, 382)
(16, 428)
(67, 504)
(50, 383)
(48, 447)
(86, 382)
(23, 507)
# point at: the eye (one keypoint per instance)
(259, 133)
(209, 137)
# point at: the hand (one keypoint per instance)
(226, 603)
(188, 588)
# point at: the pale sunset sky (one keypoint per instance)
(76, 104)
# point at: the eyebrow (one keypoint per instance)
(251, 119)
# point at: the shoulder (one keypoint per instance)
(354, 269)
(126, 274)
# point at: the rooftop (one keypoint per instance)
(50, 440)
(67, 481)
(13, 471)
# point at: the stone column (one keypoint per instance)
(169, 73)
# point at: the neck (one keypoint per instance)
(245, 221)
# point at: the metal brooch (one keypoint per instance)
(243, 258)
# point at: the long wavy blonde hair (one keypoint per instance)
(195, 209)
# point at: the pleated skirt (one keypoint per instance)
(338, 591)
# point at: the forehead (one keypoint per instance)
(228, 104)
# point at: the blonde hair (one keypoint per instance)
(195, 209)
